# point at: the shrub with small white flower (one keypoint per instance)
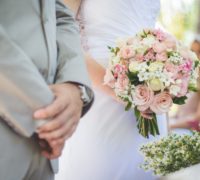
(150, 72)
(171, 153)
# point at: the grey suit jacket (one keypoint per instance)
(39, 45)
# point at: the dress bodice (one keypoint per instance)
(104, 21)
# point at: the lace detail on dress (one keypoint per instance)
(84, 40)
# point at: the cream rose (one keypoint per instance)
(156, 84)
(156, 66)
(161, 103)
(115, 59)
(134, 66)
(143, 97)
(159, 47)
(149, 40)
(127, 52)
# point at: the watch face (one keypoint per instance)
(84, 95)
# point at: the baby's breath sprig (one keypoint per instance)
(171, 153)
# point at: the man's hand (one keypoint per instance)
(64, 113)
(48, 152)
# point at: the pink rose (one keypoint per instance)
(122, 83)
(149, 56)
(170, 42)
(160, 35)
(172, 69)
(159, 47)
(127, 52)
(119, 70)
(139, 57)
(184, 87)
(161, 56)
(161, 103)
(109, 78)
(143, 97)
(186, 66)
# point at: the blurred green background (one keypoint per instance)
(181, 18)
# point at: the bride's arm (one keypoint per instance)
(97, 72)
(73, 5)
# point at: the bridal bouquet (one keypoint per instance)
(171, 153)
(150, 72)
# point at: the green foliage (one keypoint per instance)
(128, 106)
(147, 126)
(114, 50)
(183, 17)
(197, 64)
(193, 88)
(171, 153)
(133, 78)
(179, 100)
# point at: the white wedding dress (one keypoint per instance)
(106, 143)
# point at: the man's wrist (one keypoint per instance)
(86, 95)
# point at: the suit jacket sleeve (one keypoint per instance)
(71, 65)
(22, 88)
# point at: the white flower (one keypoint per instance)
(149, 40)
(156, 66)
(133, 66)
(140, 48)
(193, 55)
(171, 153)
(167, 79)
(174, 90)
(176, 58)
(143, 76)
(115, 59)
(195, 73)
(142, 67)
(178, 81)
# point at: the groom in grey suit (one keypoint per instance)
(44, 86)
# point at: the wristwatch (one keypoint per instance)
(84, 95)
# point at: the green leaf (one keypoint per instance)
(133, 78)
(152, 128)
(155, 125)
(109, 47)
(179, 100)
(137, 113)
(169, 54)
(146, 126)
(117, 49)
(128, 106)
(196, 64)
(192, 88)
(114, 50)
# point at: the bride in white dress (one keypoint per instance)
(106, 143)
